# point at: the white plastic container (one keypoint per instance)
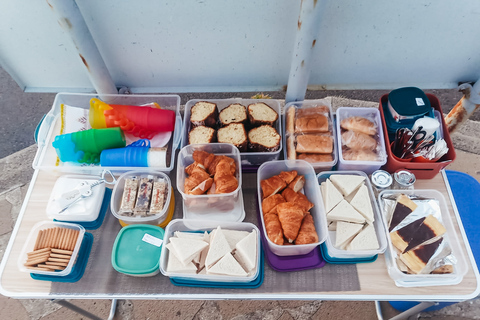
(46, 156)
(216, 207)
(248, 158)
(30, 244)
(84, 210)
(421, 280)
(201, 226)
(378, 223)
(318, 166)
(366, 166)
(310, 189)
(117, 194)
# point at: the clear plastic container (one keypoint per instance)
(421, 280)
(32, 238)
(248, 158)
(318, 166)
(46, 156)
(201, 226)
(84, 210)
(378, 223)
(365, 166)
(117, 194)
(310, 189)
(217, 207)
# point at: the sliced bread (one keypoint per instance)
(202, 134)
(234, 113)
(361, 201)
(260, 113)
(204, 113)
(365, 240)
(235, 134)
(345, 212)
(346, 183)
(263, 139)
(345, 232)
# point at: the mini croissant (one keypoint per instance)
(198, 182)
(308, 233)
(273, 228)
(291, 217)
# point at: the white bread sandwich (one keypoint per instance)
(234, 236)
(228, 266)
(346, 183)
(332, 196)
(174, 265)
(362, 203)
(365, 240)
(246, 251)
(218, 248)
(186, 249)
(346, 231)
(345, 212)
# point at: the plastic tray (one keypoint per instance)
(319, 166)
(420, 169)
(30, 243)
(46, 156)
(225, 207)
(201, 226)
(248, 158)
(419, 280)
(116, 199)
(335, 253)
(365, 166)
(311, 190)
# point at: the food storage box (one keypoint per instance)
(373, 115)
(318, 166)
(419, 280)
(62, 240)
(84, 210)
(248, 158)
(136, 250)
(422, 170)
(155, 219)
(378, 224)
(218, 207)
(310, 189)
(59, 116)
(200, 226)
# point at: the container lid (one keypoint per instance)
(408, 103)
(137, 249)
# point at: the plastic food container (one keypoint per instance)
(84, 210)
(318, 166)
(378, 223)
(32, 238)
(136, 250)
(50, 127)
(156, 219)
(217, 207)
(420, 280)
(310, 189)
(422, 170)
(366, 166)
(248, 158)
(202, 226)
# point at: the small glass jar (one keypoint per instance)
(403, 180)
(381, 180)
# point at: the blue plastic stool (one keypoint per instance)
(463, 186)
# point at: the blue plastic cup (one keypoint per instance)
(135, 155)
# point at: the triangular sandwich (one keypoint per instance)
(362, 203)
(227, 266)
(345, 212)
(332, 196)
(346, 183)
(346, 231)
(186, 249)
(218, 248)
(246, 251)
(365, 240)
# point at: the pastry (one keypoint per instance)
(359, 124)
(317, 123)
(309, 143)
(297, 183)
(269, 205)
(263, 139)
(288, 176)
(359, 155)
(358, 141)
(234, 113)
(315, 157)
(273, 228)
(204, 113)
(291, 153)
(298, 198)
(272, 186)
(291, 217)
(202, 134)
(418, 258)
(308, 233)
(260, 113)
(198, 182)
(403, 207)
(290, 121)
(235, 134)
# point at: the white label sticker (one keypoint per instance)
(419, 102)
(148, 238)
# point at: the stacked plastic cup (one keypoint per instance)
(138, 154)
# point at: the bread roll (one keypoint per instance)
(291, 153)
(359, 124)
(360, 155)
(316, 123)
(305, 112)
(315, 157)
(358, 141)
(290, 123)
(309, 143)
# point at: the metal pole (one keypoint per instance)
(79, 310)
(305, 41)
(464, 108)
(71, 20)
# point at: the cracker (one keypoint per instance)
(58, 260)
(52, 267)
(55, 237)
(55, 263)
(60, 251)
(37, 268)
(32, 253)
(37, 241)
(60, 256)
(60, 238)
(36, 261)
(38, 256)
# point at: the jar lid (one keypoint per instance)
(381, 179)
(404, 177)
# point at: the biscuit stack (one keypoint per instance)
(53, 249)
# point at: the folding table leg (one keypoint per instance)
(76, 309)
(113, 308)
(407, 313)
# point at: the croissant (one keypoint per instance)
(298, 198)
(223, 168)
(269, 204)
(288, 176)
(195, 164)
(290, 216)
(212, 166)
(226, 184)
(297, 183)
(308, 233)
(273, 228)
(272, 185)
(198, 182)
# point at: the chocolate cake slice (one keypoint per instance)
(403, 208)
(430, 229)
(418, 258)
(401, 238)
